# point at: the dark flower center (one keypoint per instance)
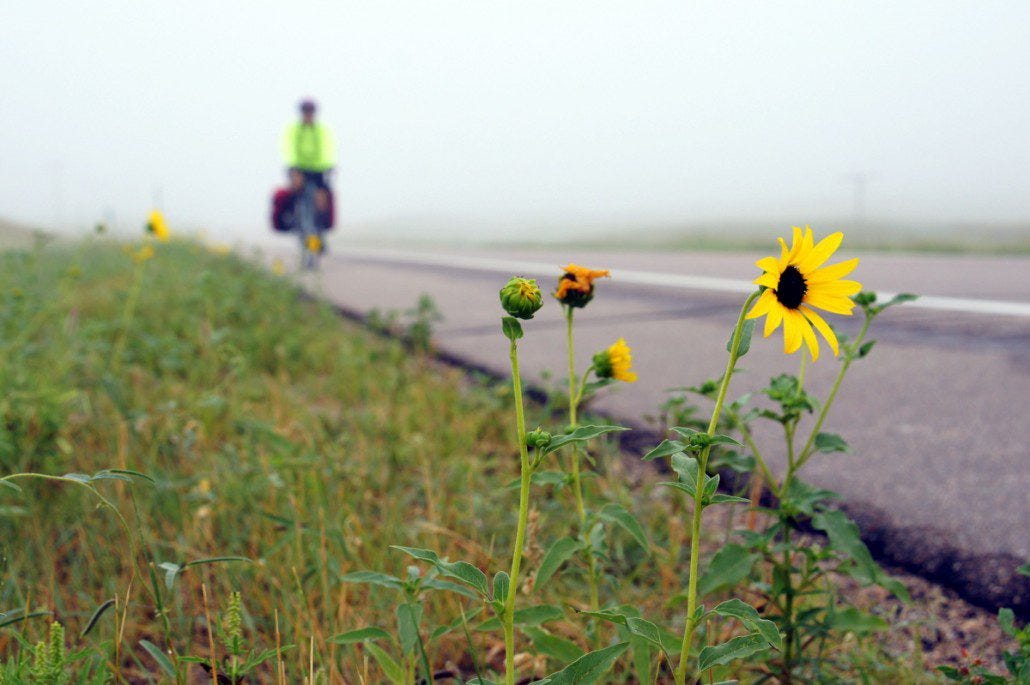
(791, 289)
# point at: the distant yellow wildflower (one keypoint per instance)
(796, 282)
(615, 362)
(143, 254)
(278, 268)
(313, 243)
(576, 286)
(157, 227)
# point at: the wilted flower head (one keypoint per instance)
(615, 362)
(576, 286)
(157, 227)
(521, 298)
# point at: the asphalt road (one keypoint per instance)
(936, 416)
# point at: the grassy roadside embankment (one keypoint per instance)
(269, 431)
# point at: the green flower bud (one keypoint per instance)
(538, 439)
(521, 298)
(603, 364)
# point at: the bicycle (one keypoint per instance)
(307, 226)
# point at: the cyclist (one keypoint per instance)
(309, 150)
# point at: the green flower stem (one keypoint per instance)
(520, 531)
(807, 450)
(702, 465)
(575, 395)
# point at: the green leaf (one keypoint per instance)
(511, 328)
(686, 468)
(160, 657)
(391, 668)
(16, 615)
(744, 344)
(727, 499)
(588, 667)
(746, 614)
(360, 635)
(437, 584)
(528, 616)
(561, 650)
(409, 618)
(552, 478)
(502, 582)
(900, 298)
(851, 620)
(557, 554)
(667, 448)
(685, 487)
(94, 618)
(459, 570)
(580, 434)
(637, 626)
(845, 539)
(373, 578)
(730, 565)
(618, 514)
(804, 498)
(1024, 570)
(830, 442)
(866, 348)
(172, 571)
(1007, 622)
(10, 485)
(737, 648)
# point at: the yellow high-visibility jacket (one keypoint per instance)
(309, 147)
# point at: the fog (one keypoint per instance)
(494, 117)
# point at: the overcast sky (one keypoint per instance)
(487, 114)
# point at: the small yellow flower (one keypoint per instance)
(796, 282)
(576, 286)
(278, 268)
(219, 249)
(615, 362)
(313, 243)
(143, 254)
(157, 227)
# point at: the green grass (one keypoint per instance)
(273, 431)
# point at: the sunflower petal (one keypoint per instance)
(832, 272)
(823, 328)
(768, 279)
(772, 322)
(791, 333)
(770, 264)
(821, 252)
(831, 303)
(808, 335)
(764, 303)
(842, 288)
(796, 244)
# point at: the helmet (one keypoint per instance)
(307, 105)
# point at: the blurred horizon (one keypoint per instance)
(473, 120)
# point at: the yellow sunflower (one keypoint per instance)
(796, 282)
(615, 362)
(576, 286)
(157, 226)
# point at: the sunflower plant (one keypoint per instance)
(787, 583)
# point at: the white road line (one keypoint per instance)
(547, 269)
